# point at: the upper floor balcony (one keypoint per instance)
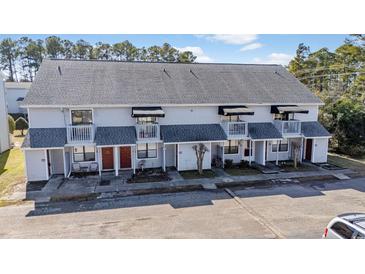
(80, 133)
(236, 129)
(148, 132)
(288, 127)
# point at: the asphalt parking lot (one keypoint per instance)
(287, 211)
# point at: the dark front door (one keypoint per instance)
(308, 150)
(108, 158)
(125, 157)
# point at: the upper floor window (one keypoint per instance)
(146, 120)
(284, 116)
(231, 118)
(81, 117)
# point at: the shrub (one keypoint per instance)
(11, 123)
(228, 163)
(244, 164)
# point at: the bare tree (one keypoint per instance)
(200, 150)
(296, 145)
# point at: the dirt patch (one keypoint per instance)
(149, 176)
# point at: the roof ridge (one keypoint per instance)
(158, 62)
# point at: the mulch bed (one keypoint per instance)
(148, 177)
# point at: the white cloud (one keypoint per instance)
(251, 46)
(201, 57)
(232, 39)
(274, 58)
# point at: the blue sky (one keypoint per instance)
(222, 48)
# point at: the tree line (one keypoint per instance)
(338, 78)
(21, 58)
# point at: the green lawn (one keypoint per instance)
(356, 164)
(11, 170)
(236, 171)
(193, 174)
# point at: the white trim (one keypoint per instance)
(41, 148)
(29, 125)
(171, 105)
(164, 157)
(116, 160)
(124, 145)
(100, 160)
(196, 142)
(178, 156)
(46, 161)
(64, 162)
(319, 137)
(255, 140)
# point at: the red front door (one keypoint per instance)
(125, 157)
(108, 157)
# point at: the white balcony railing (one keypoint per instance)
(148, 131)
(288, 127)
(235, 129)
(80, 133)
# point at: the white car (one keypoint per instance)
(346, 226)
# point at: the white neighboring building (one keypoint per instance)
(4, 127)
(15, 93)
(104, 116)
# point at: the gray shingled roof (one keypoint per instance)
(115, 136)
(314, 129)
(141, 84)
(192, 133)
(45, 137)
(263, 131)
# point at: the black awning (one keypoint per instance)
(147, 112)
(234, 110)
(288, 109)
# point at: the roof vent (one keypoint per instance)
(165, 71)
(59, 70)
(191, 71)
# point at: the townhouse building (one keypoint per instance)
(102, 116)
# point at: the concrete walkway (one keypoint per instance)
(59, 188)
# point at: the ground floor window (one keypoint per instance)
(283, 146)
(231, 147)
(84, 153)
(148, 150)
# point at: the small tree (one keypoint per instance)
(200, 150)
(296, 145)
(11, 123)
(21, 124)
